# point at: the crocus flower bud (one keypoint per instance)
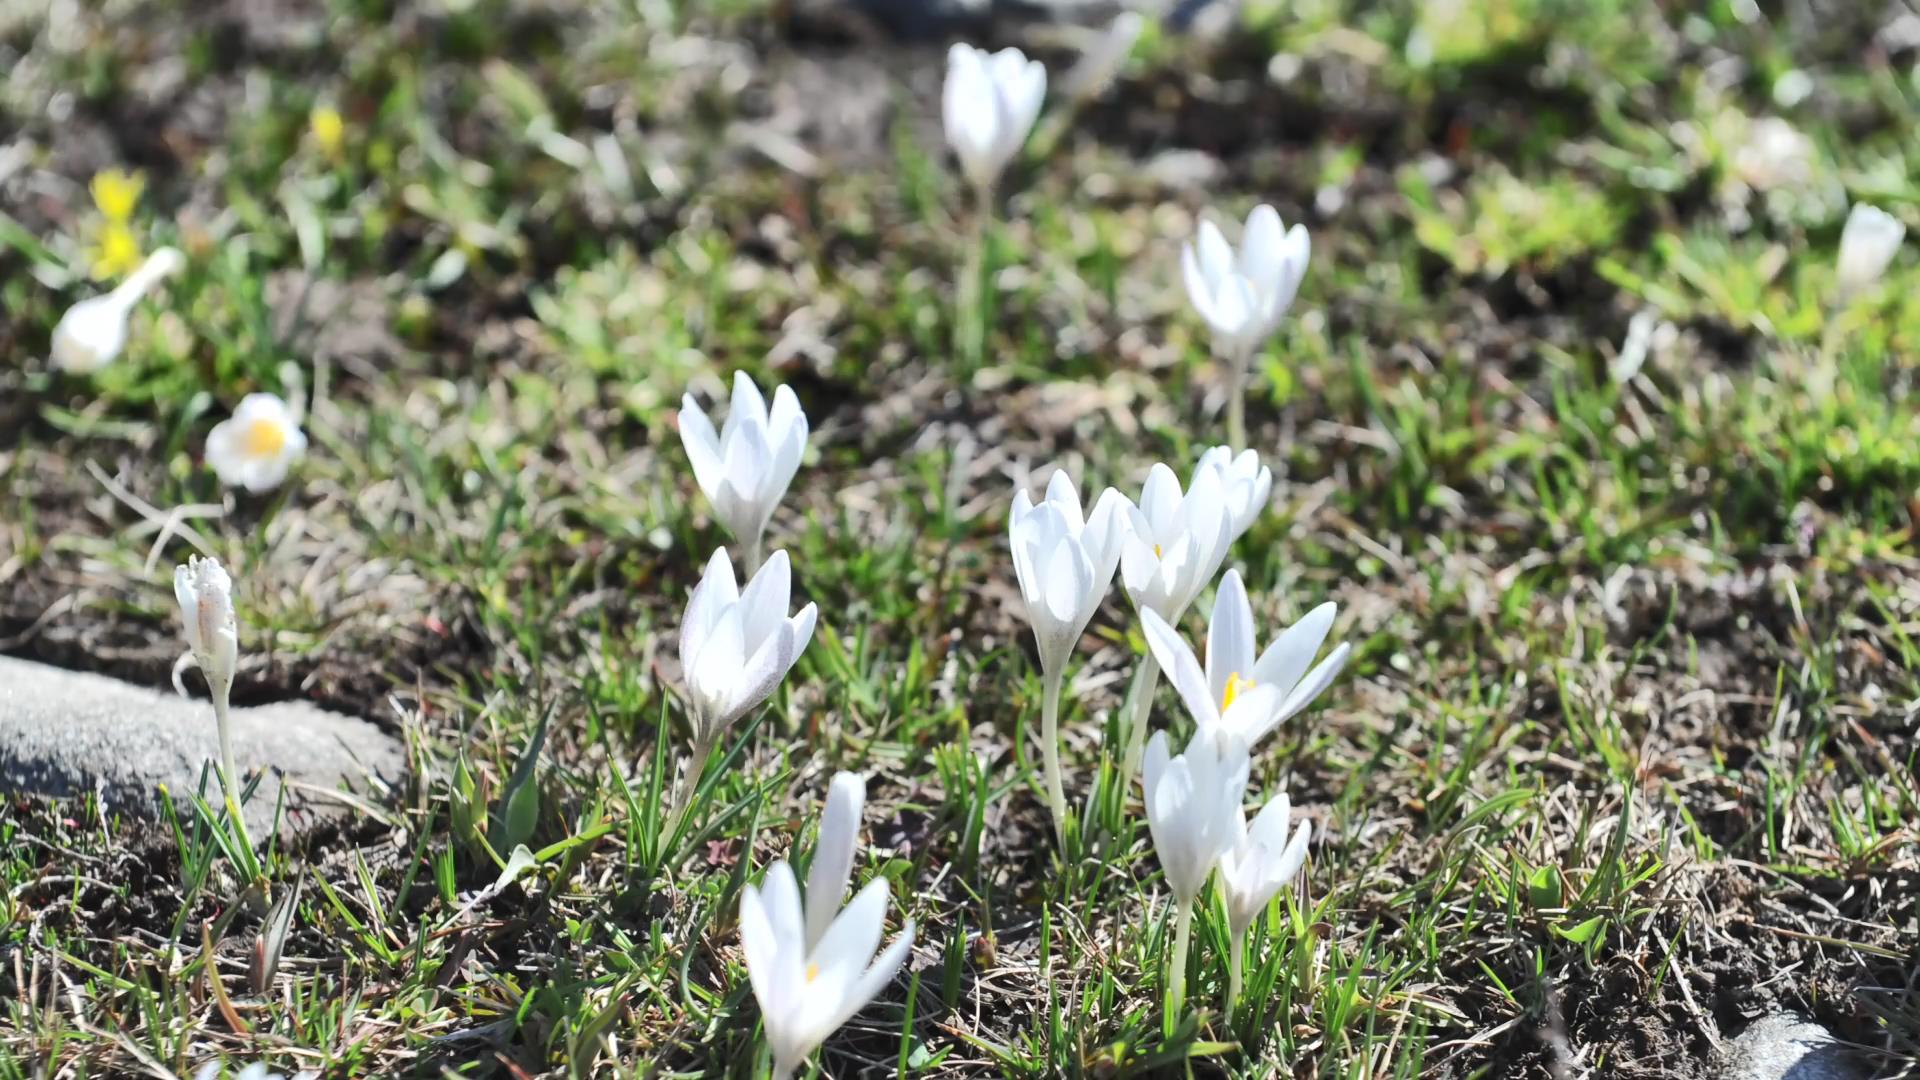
(205, 593)
(989, 104)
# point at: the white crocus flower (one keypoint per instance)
(1193, 806)
(1247, 484)
(1064, 564)
(1175, 543)
(989, 104)
(205, 594)
(811, 963)
(735, 647)
(1868, 242)
(1242, 295)
(1261, 861)
(92, 332)
(746, 467)
(1236, 695)
(256, 446)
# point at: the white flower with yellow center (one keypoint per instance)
(257, 445)
(1236, 694)
(812, 963)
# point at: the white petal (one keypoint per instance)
(1293, 651)
(1065, 499)
(1160, 501)
(1251, 714)
(1064, 582)
(1154, 763)
(833, 854)
(882, 971)
(1177, 659)
(1261, 256)
(851, 939)
(746, 689)
(1229, 636)
(763, 604)
(780, 895)
(712, 596)
(746, 406)
(1316, 681)
(1216, 256)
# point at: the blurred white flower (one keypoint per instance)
(1193, 804)
(736, 645)
(92, 332)
(746, 467)
(1773, 154)
(1260, 862)
(1243, 295)
(989, 104)
(1868, 243)
(1063, 562)
(257, 445)
(1245, 482)
(1104, 56)
(255, 1071)
(1237, 696)
(1175, 541)
(812, 964)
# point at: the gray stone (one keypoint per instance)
(1787, 1047)
(67, 733)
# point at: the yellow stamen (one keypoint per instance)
(1235, 687)
(263, 438)
(813, 972)
(1157, 553)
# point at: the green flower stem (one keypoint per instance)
(1177, 978)
(1050, 754)
(689, 783)
(1146, 677)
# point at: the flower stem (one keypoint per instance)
(1146, 677)
(689, 782)
(1238, 946)
(970, 321)
(1177, 977)
(1238, 362)
(229, 772)
(756, 548)
(1050, 755)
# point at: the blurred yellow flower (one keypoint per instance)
(116, 193)
(328, 128)
(115, 253)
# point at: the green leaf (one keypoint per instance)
(1583, 933)
(1543, 888)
